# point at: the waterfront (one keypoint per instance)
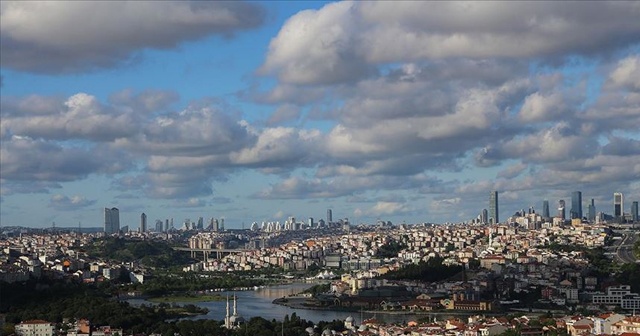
(260, 303)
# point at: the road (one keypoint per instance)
(624, 250)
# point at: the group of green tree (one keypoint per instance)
(390, 249)
(53, 301)
(431, 270)
(317, 289)
(56, 300)
(157, 254)
(604, 268)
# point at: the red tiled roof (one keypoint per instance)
(35, 322)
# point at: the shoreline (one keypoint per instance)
(300, 305)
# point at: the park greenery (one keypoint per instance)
(318, 289)
(431, 270)
(186, 298)
(191, 282)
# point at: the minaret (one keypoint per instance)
(235, 310)
(226, 318)
(490, 237)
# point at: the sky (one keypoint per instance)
(407, 112)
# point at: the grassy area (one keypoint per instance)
(191, 298)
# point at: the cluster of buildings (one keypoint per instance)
(81, 327)
(479, 325)
(610, 323)
(512, 259)
(57, 256)
(575, 213)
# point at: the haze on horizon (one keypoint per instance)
(251, 111)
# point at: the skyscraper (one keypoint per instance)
(592, 210)
(329, 216)
(111, 220)
(494, 212)
(484, 216)
(561, 212)
(143, 222)
(634, 211)
(618, 205)
(545, 209)
(576, 204)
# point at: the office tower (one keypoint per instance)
(634, 211)
(216, 225)
(143, 222)
(592, 210)
(484, 216)
(166, 225)
(561, 212)
(158, 225)
(200, 223)
(329, 216)
(576, 204)
(111, 220)
(618, 205)
(221, 224)
(545, 209)
(494, 211)
(311, 222)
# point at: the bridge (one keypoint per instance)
(207, 252)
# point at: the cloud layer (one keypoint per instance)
(79, 36)
(407, 109)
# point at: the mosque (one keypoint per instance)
(233, 321)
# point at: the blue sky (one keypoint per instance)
(254, 111)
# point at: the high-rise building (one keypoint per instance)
(634, 211)
(618, 205)
(484, 216)
(494, 212)
(158, 225)
(143, 222)
(111, 220)
(329, 216)
(561, 210)
(576, 204)
(545, 209)
(592, 210)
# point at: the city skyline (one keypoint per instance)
(253, 111)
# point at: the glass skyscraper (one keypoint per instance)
(576, 204)
(592, 210)
(545, 209)
(494, 212)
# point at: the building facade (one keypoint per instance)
(618, 205)
(111, 220)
